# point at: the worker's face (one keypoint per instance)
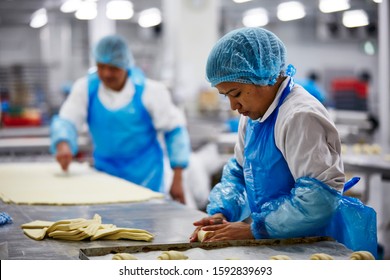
(112, 77)
(249, 100)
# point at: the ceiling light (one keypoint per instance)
(39, 18)
(355, 18)
(241, 1)
(290, 11)
(331, 6)
(119, 9)
(150, 17)
(255, 17)
(377, 1)
(70, 6)
(86, 11)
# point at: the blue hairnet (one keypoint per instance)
(246, 55)
(113, 50)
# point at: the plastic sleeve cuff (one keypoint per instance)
(63, 130)
(178, 147)
(229, 196)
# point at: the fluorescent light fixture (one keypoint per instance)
(355, 18)
(149, 17)
(377, 1)
(39, 18)
(331, 6)
(70, 6)
(119, 9)
(290, 11)
(86, 11)
(241, 1)
(255, 17)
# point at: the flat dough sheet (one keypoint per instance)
(47, 184)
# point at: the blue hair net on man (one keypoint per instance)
(113, 50)
(247, 55)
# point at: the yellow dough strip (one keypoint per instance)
(37, 224)
(109, 231)
(129, 235)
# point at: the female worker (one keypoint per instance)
(125, 112)
(286, 176)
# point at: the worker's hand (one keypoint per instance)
(211, 220)
(228, 231)
(64, 155)
(177, 190)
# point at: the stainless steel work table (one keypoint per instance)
(169, 221)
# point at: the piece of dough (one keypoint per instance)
(37, 224)
(137, 234)
(280, 257)
(172, 255)
(120, 233)
(63, 224)
(321, 256)
(40, 184)
(202, 235)
(124, 256)
(129, 235)
(35, 233)
(361, 255)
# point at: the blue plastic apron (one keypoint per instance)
(125, 140)
(267, 175)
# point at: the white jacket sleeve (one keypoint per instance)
(169, 120)
(75, 107)
(165, 114)
(308, 140)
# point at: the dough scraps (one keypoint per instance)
(47, 184)
(80, 229)
(123, 233)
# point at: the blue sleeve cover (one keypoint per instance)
(62, 130)
(229, 196)
(178, 147)
(309, 207)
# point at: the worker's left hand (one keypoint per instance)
(228, 231)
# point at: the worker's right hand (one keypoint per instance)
(64, 155)
(207, 221)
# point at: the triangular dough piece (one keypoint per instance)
(37, 224)
(35, 233)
